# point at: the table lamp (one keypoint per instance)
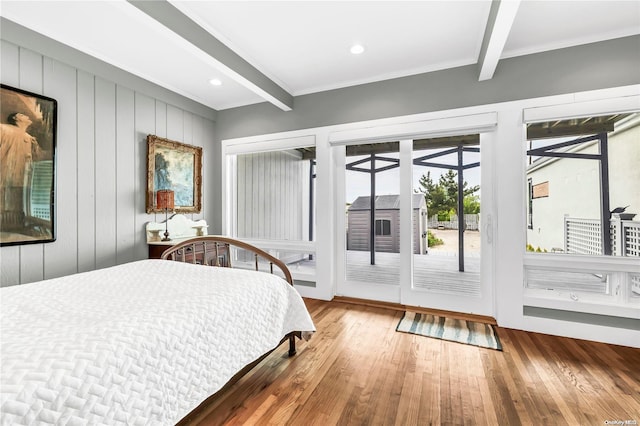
(164, 200)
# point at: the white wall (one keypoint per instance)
(101, 165)
(625, 170)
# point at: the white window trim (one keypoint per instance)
(236, 146)
(617, 267)
(566, 111)
(437, 127)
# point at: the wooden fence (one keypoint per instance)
(472, 222)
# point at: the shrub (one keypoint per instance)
(432, 240)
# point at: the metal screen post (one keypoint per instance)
(372, 212)
(460, 211)
(312, 176)
(605, 208)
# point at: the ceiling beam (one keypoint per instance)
(224, 59)
(501, 17)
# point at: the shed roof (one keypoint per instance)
(386, 202)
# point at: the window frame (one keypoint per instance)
(621, 302)
(385, 225)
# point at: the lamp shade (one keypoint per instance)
(164, 199)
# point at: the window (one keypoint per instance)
(582, 179)
(273, 206)
(275, 196)
(582, 206)
(383, 227)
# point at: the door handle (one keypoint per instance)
(489, 229)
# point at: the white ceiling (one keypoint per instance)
(303, 46)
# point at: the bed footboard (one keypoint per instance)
(213, 250)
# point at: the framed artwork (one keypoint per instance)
(177, 167)
(27, 167)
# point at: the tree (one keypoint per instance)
(442, 198)
(471, 204)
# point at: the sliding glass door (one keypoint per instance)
(394, 248)
(372, 219)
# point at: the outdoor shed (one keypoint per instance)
(387, 224)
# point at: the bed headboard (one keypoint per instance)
(215, 250)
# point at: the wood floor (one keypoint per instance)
(357, 370)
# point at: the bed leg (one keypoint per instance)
(292, 345)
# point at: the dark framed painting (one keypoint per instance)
(177, 167)
(27, 167)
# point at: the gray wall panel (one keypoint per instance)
(194, 135)
(175, 124)
(106, 172)
(161, 119)
(126, 175)
(211, 188)
(145, 124)
(86, 205)
(60, 258)
(101, 165)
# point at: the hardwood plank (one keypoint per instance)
(400, 307)
(358, 370)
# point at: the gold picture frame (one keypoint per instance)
(175, 166)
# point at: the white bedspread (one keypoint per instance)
(140, 343)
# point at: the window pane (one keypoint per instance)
(587, 282)
(634, 288)
(372, 169)
(440, 226)
(275, 204)
(274, 196)
(583, 192)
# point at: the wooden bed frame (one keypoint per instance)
(217, 251)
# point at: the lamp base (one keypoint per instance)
(166, 226)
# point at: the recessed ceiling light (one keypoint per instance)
(215, 82)
(357, 49)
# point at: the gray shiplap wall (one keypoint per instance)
(100, 165)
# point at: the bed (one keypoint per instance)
(147, 342)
